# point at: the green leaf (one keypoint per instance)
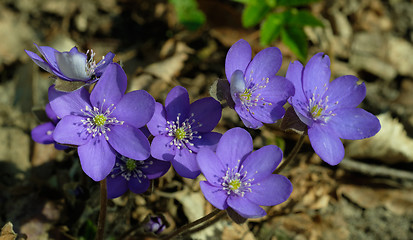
(271, 28)
(302, 18)
(292, 3)
(296, 40)
(253, 13)
(188, 13)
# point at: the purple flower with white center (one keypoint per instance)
(329, 109)
(134, 175)
(103, 122)
(44, 132)
(258, 94)
(72, 65)
(181, 129)
(241, 179)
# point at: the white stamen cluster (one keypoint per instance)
(235, 181)
(318, 107)
(129, 168)
(183, 133)
(249, 98)
(98, 122)
(91, 65)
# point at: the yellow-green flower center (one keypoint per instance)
(130, 164)
(246, 94)
(234, 184)
(180, 133)
(316, 111)
(99, 120)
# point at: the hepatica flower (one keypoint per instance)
(134, 175)
(44, 132)
(103, 122)
(259, 94)
(72, 65)
(181, 129)
(329, 109)
(241, 179)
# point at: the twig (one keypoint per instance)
(375, 170)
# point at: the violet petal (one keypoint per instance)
(273, 190)
(129, 142)
(70, 130)
(215, 195)
(238, 57)
(326, 144)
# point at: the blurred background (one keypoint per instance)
(162, 44)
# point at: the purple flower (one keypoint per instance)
(44, 132)
(155, 224)
(241, 179)
(329, 109)
(103, 122)
(72, 65)
(181, 129)
(134, 175)
(258, 94)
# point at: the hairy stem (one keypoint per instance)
(292, 155)
(102, 213)
(192, 224)
(207, 224)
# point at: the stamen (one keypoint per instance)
(183, 132)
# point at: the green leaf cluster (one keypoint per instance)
(287, 24)
(188, 13)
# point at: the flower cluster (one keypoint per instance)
(129, 139)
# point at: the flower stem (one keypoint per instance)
(102, 213)
(192, 224)
(207, 224)
(292, 155)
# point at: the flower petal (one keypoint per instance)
(135, 108)
(344, 92)
(39, 61)
(215, 195)
(234, 146)
(51, 114)
(354, 123)
(207, 111)
(277, 90)
(238, 58)
(245, 207)
(207, 140)
(268, 113)
(138, 185)
(162, 149)
(156, 169)
(237, 84)
(185, 164)
(264, 65)
(102, 64)
(177, 102)
(262, 163)
(116, 186)
(97, 158)
(272, 190)
(70, 130)
(326, 144)
(110, 88)
(72, 65)
(246, 117)
(49, 55)
(43, 133)
(211, 166)
(129, 142)
(68, 103)
(316, 76)
(157, 124)
(295, 76)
